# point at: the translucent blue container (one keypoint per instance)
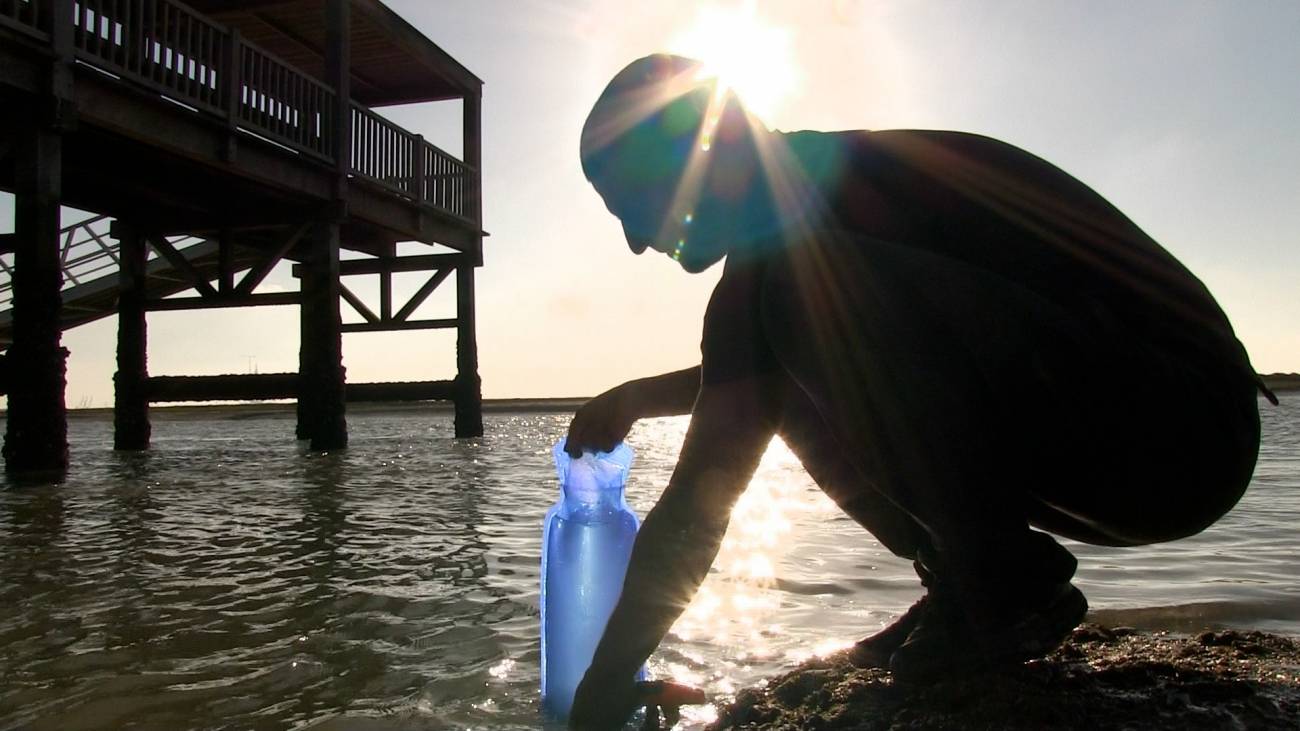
(586, 543)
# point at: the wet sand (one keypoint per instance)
(1101, 678)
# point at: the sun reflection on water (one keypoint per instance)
(734, 623)
(738, 603)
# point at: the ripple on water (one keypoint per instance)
(219, 582)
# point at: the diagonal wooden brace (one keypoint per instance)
(357, 304)
(422, 294)
(182, 265)
(255, 275)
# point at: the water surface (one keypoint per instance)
(227, 579)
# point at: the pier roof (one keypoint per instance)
(392, 62)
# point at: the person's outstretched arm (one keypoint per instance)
(730, 428)
(605, 420)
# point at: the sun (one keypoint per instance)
(744, 53)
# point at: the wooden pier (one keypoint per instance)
(217, 138)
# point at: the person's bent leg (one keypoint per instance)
(915, 361)
(808, 436)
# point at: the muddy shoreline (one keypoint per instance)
(1101, 678)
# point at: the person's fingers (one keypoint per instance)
(651, 722)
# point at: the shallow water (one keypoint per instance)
(226, 579)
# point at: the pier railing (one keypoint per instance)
(166, 47)
(24, 15)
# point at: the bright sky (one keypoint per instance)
(1182, 113)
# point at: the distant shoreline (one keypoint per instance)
(253, 410)
(1280, 382)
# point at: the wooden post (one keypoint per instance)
(232, 91)
(469, 392)
(36, 432)
(131, 429)
(338, 74)
(418, 173)
(225, 261)
(321, 376)
(469, 395)
(60, 105)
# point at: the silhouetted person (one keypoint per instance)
(957, 339)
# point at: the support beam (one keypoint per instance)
(131, 428)
(416, 263)
(469, 396)
(422, 293)
(358, 305)
(394, 325)
(321, 401)
(472, 121)
(225, 261)
(243, 387)
(269, 299)
(265, 386)
(338, 67)
(36, 430)
(182, 265)
(255, 275)
(469, 393)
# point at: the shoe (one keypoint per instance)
(876, 650)
(949, 642)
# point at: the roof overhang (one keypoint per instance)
(392, 62)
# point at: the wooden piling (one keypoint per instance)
(321, 376)
(469, 393)
(131, 428)
(469, 396)
(36, 430)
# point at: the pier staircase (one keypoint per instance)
(89, 256)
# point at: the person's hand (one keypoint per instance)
(668, 696)
(597, 706)
(601, 423)
(601, 702)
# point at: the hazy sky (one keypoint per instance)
(1184, 114)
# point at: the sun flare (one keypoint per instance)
(744, 53)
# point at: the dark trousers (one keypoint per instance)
(948, 410)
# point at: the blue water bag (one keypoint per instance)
(586, 543)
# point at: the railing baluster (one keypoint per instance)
(196, 57)
(255, 91)
(121, 43)
(96, 27)
(174, 43)
(79, 26)
(205, 68)
(85, 23)
(149, 19)
(160, 41)
(247, 81)
(295, 108)
(167, 54)
(114, 19)
(131, 36)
